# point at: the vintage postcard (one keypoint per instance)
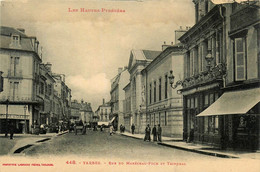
(129, 85)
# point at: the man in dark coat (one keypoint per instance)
(154, 132)
(133, 128)
(12, 127)
(147, 133)
(159, 133)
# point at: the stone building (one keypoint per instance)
(127, 108)
(138, 60)
(221, 75)
(104, 112)
(118, 95)
(163, 104)
(20, 62)
(32, 94)
(64, 95)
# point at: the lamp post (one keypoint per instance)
(25, 107)
(6, 118)
(171, 78)
(209, 58)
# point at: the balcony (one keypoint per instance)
(24, 98)
(216, 73)
(15, 74)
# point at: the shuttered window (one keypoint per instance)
(240, 62)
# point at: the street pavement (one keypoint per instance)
(97, 144)
(65, 151)
(9, 146)
(199, 148)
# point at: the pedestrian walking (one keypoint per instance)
(121, 128)
(159, 133)
(84, 128)
(147, 133)
(133, 129)
(75, 129)
(154, 132)
(11, 127)
(111, 129)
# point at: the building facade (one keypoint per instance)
(20, 62)
(163, 104)
(127, 108)
(222, 66)
(138, 60)
(104, 112)
(118, 95)
(30, 95)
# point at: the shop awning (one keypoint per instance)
(233, 102)
(112, 119)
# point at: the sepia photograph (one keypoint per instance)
(130, 85)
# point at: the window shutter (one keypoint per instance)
(240, 59)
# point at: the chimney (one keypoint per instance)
(120, 70)
(48, 65)
(21, 30)
(179, 33)
(103, 101)
(164, 46)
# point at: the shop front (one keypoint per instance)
(238, 114)
(18, 115)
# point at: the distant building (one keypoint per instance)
(118, 95)
(104, 111)
(127, 108)
(138, 60)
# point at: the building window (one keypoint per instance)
(154, 119)
(240, 59)
(188, 64)
(154, 96)
(15, 39)
(206, 100)
(206, 124)
(41, 88)
(159, 118)
(165, 118)
(211, 98)
(166, 87)
(160, 89)
(150, 93)
(216, 124)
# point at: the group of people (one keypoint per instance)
(82, 127)
(156, 132)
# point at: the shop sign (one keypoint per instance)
(12, 116)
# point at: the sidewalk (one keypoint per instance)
(199, 148)
(23, 141)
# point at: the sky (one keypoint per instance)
(89, 47)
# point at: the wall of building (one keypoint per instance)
(170, 105)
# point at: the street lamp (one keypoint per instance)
(171, 79)
(209, 58)
(6, 118)
(25, 107)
